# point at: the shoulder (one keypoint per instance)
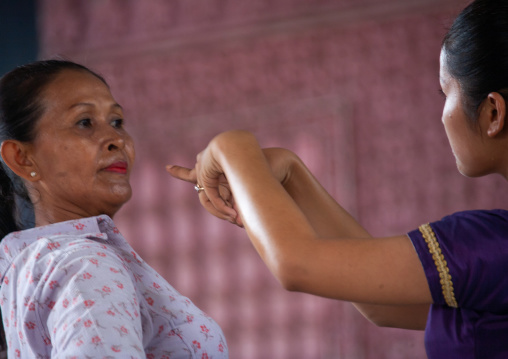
(468, 225)
(64, 256)
(463, 255)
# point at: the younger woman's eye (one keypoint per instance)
(117, 123)
(85, 123)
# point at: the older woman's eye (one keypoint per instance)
(85, 123)
(117, 123)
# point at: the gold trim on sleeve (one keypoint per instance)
(441, 265)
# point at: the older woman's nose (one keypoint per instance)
(113, 139)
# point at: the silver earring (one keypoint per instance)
(33, 174)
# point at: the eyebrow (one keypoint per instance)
(115, 105)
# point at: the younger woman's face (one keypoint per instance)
(465, 140)
(82, 151)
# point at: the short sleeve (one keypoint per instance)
(465, 258)
(90, 304)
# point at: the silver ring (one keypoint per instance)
(198, 188)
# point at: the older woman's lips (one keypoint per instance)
(117, 167)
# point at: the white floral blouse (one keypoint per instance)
(77, 289)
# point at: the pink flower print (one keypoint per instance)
(65, 303)
(89, 303)
(175, 332)
(196, 345)
(161, 329)
(47, 341)
(88, 323)
(53, 284)
(106, 289)
(79, 226)
(221, 348)
(51, 304)
(37, 256)
(149, 300)
(6, 280)
(94, 261)
(114, 270)
(96, 340)
(150, 356)
(110, 312)
(119, 285)
(115, 230)
(122, 330)
(18, 353)
(53, 245)
(206, 332)
(190, 318)
(116, 348)
(135, 256)
(156, 286)
(101, 254)
(30, 325)
(204, 356)
(87, 275)
(79, 343)
(31, 306)
(6, 249)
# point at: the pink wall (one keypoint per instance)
(351, 86)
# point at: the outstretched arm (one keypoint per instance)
(328, 219)
(307, 240)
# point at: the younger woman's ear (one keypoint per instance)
(495, 113)
(14, 155)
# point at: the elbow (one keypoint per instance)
(375, 315)
(290, 275)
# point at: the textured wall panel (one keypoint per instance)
(351, 86)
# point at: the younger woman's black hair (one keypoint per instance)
(476, 52)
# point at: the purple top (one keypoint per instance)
(465, 258)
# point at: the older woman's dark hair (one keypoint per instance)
(476, 49)
(21, 108)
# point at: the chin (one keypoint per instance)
(115, 203)
(472, 173)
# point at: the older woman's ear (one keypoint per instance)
(15, 156)
(493, 114)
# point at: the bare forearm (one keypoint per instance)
(328, 218)
(337, 260)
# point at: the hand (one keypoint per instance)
(189, 175)
(217, 197)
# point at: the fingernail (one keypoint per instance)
(168, 167)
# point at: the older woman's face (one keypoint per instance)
(82, 152)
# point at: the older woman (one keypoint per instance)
(447, 277)
(72, 286)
